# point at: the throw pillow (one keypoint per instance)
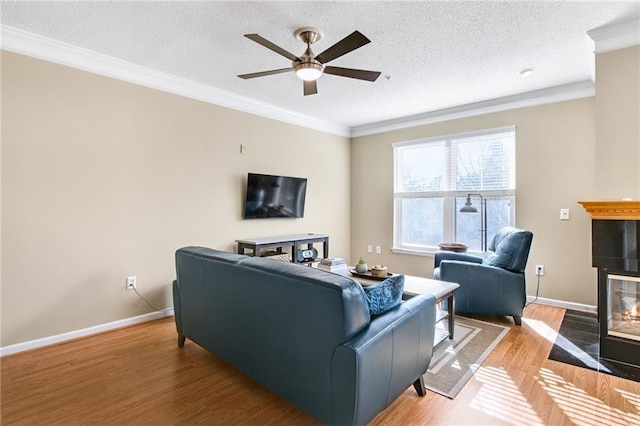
(384, 295)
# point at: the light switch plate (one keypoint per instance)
(564, 214)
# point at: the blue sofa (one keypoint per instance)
(304, 333)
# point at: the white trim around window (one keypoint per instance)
(432, 178)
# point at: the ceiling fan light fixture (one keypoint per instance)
(308, 71)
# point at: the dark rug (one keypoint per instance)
(577, 344)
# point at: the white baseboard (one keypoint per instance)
(563, 304)
(50, 340)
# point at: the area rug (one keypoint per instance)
(577, 344)
(454, 361)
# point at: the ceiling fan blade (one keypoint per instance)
(353, 73)
(265, 73)
(266, 43)
(310, 87)
(344, 46)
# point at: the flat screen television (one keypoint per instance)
(271, 196)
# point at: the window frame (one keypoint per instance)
(449, 197)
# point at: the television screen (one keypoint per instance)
(274, 196)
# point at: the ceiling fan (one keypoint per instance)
(309, 67)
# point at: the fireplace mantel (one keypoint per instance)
(612, 210)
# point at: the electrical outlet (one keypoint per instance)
(131, 283)
(369, 249)
(378, 251)
(540, 270)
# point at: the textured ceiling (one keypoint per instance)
(432, 55)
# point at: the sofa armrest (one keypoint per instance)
(372, 369)
(452, 255)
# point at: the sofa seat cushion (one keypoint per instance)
(384, 295)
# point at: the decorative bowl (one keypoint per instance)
(458, 247)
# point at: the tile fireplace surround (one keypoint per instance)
(615, 233)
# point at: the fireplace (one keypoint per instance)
(623, 306)
(615, 227)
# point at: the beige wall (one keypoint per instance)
(102, 179)
(618, 124)
(555, 157)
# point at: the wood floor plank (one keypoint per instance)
(138, 375)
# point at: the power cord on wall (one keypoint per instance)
(146, 301)
(537, 291)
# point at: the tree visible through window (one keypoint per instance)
(433, 177)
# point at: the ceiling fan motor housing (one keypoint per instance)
(307, 67)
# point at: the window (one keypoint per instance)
(432, 178)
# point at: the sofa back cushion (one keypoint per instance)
(509, 249)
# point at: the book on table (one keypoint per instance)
(332, 261)
(333, 268)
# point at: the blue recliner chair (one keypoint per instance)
(494, 283)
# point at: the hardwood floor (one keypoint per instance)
(138, 375)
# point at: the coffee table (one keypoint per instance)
(414, 286)
(442, 290)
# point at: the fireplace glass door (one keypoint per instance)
(623, 310)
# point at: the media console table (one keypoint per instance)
(260, 245)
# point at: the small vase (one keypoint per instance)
(361, 268)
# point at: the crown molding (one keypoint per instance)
(616, 36)
(567, 92)
(29, 44)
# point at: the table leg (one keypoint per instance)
(451, 308)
